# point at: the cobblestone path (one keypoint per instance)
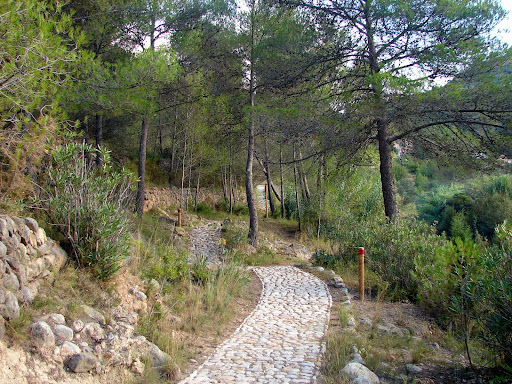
(281, 341)
(204, 242)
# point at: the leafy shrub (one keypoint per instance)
(199, 272)
(88, 205)
(165, 264)
(391, 249)
(240, 209)
(494, 293)
(325, 259)
(202, 207)
(235, 233)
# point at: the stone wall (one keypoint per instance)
(158, 197)
(26, 256)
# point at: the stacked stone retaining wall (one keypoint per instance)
(26, 256)
(164, 197)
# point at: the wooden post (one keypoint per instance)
(360, 254)
(179, 217)
(266, 201)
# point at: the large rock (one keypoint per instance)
(42, 335)
(354, 370)
(3, 250)
(81, 362)
(158, 358)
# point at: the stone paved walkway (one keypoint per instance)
(281, 341)
(204, 242)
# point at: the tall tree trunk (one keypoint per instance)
(142, 167)
(297, 199)
(99, 139)
(282, 183)
(304, 180)
(386, 173)
(249, 188)
(231, 191)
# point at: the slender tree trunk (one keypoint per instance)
(304, 180)
(320, 191)
(231, 191)
(269, 189)
(297, 199)
(99, 139)
(224, 182)
(197, 187)
(142, 167)
(282, 183)
(386, 171)
(183, 174)
(249, 188)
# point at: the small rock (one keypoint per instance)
(357, 358)
(3, 249)
(63, 333)
(94, 331)
(93, 314)
(69, 349)
(435, 345)
(138, 367)
(28, 294)
(77, 325)
(154, 285)
(141, 296)
(81, 362)
(56, 318)
(32, 224)
(320, 269)
(42, 335)
(346, 303)
(351, 322)
(366, 322)
(413, 369)
(361, 380)
(12, 306)
(2, 296)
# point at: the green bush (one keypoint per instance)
(493, 292)
(88, 204)
(165, 264)
(202, 207)
(325, 259)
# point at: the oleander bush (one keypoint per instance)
(88, 204)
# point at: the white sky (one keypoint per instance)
(504, 29)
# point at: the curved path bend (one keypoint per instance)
(281, 340)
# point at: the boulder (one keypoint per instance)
(42, 335)
(158, 358)
(355, 371)
(81, 362)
